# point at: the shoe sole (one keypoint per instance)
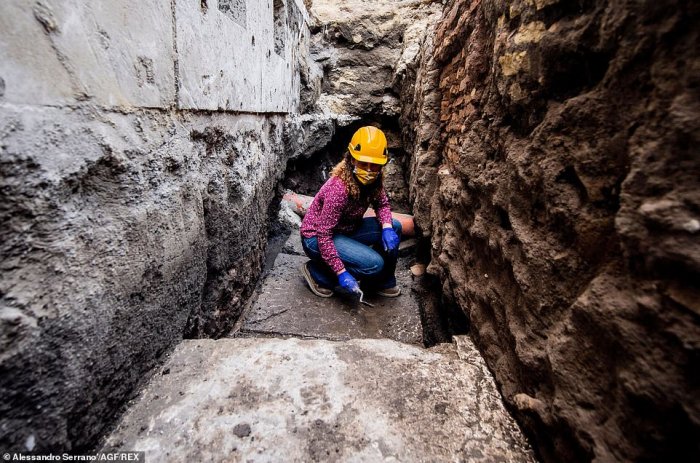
(311, 283)
(383, 294)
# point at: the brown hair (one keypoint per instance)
(343, 170)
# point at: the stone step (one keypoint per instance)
(286, 307)
(261, 400)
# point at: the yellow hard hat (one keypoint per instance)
(368, 144)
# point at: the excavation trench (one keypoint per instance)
(324, 371)
(551, 150)
(305, 378)
(438, 321)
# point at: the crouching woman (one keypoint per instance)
(344, 247)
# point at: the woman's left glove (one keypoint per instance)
(390, 239)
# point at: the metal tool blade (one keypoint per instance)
(362, 301)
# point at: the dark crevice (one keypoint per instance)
(557, 11)
(573, 72)
(503, 219)
(569, 176)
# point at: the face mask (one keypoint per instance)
(365, 176)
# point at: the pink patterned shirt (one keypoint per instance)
(333, 212)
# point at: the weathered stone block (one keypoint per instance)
(126, 223)
(121, 232)
(112, 53)
(237, 58)
(264, 400)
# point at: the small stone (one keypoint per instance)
(526, 403)
(418, 269)
(30, 443)
(242, 430)
(692, 226)
(441, 408)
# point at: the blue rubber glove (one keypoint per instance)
(348, 283)
(390, 239)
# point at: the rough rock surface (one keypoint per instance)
(125, 213)
(311, 400)
(106, 258)
(360, 45)
(555, 167)
(359, 51)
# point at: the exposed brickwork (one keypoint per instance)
(555, 168)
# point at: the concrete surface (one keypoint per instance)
(286, 306)
(236, 57)
(268, 400)
(112, 53)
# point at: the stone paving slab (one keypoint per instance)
(286, 306)
(294, 400)
(293, 244)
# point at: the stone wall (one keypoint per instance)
(361, 46)
(359, 51)
(140, 144)
(555, 168)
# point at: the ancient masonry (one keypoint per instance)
(141, 143)
(547, 148)
(555, 169)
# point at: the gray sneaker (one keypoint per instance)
(313, 285)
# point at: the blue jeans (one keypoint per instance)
(374, 268)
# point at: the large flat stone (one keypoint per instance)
(237, 55)
(311, 400)
(286, 306)
(117, 54)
